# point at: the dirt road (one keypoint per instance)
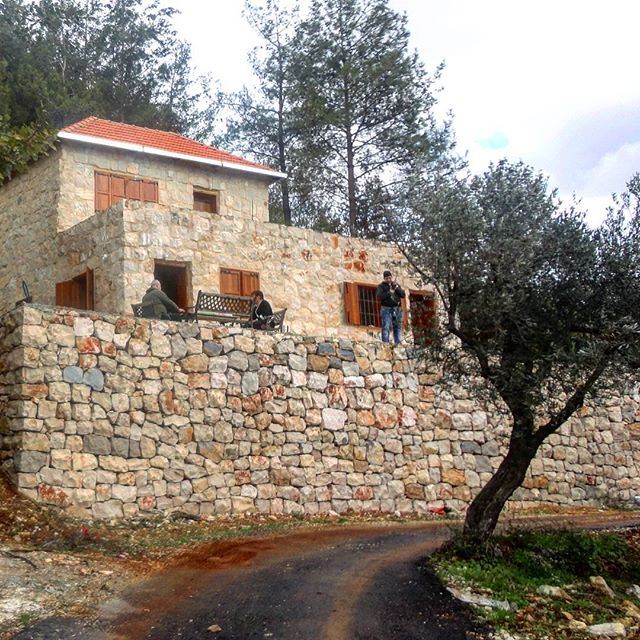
(352, 583)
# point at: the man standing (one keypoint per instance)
(260, 310)
(390, 294)
(157, 304)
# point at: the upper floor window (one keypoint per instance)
(235, 282)
(204, 200)
(111, 188)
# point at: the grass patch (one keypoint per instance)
(513, 566)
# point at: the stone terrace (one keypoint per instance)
(117, 417)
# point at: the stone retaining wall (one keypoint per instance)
(120, 417)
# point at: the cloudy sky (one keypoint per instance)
(552, 82)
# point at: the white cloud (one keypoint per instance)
(540, 73)
(614, 168)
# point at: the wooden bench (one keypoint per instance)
(222, 308)
(275, 321)
(137, 310)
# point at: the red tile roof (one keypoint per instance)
(164, 141)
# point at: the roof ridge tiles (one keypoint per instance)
(165, 141)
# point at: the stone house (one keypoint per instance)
(115, 205)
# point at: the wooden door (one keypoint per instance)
(423, 312)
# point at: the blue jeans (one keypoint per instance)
(391, 316)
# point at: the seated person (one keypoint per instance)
(157, 304)
(260, 311)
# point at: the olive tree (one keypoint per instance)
(538, 306)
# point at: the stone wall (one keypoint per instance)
(242, 195)
(118, 417)
(27, 220)
(97, 243)
(300, 269)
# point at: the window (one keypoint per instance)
(235, 282)
(76, 293)
(362, 307)
(204, 200)
(111, 188)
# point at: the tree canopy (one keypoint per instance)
(539, 306)
(345, 107)
(62, 60)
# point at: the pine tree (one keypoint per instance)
(364, 108)
(261, 125)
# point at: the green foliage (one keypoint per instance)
(512, 567)
(343, 106)
(21, 145)
(541, 307)
(552, 557)
(62, 60)
(260, 123)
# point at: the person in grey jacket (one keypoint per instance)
(157, 304)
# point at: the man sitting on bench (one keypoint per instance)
(260, 311)
(157, 304)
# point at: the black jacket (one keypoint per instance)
(262, 311)
(158, 303)
(388, 296)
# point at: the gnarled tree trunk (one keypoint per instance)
(483, 513)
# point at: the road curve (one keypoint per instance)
(339, 584)
(343, 583)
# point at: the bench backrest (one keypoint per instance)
(275, 321)
(220, 303)
(137, 310)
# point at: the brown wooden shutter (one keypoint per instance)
(89, 295)
(132, 189)
(117, 189)
(405, 315)
(230, 282)
(250, 282)
(351, 306)
(64, 293)
(102, 191)
(149, 191)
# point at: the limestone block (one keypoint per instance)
(61, 335)
(30, 461)
(107, 510)
(83, 461)
(334, 419)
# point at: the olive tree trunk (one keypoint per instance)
(483, 513)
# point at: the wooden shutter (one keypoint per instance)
(250, 282)
(405, 315)
(149, 191)
(102, 191)
(117, 189)
(207, 202)
(89, 299)
(64, 293)
(230, 282)
(351, 306)
(132, 189)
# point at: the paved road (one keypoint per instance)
(356, 583)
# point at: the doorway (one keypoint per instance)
(423, 313)
(175, 278)
(76, 293)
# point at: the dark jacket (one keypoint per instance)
(157, 304)
(390, 297)
(261, 312)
